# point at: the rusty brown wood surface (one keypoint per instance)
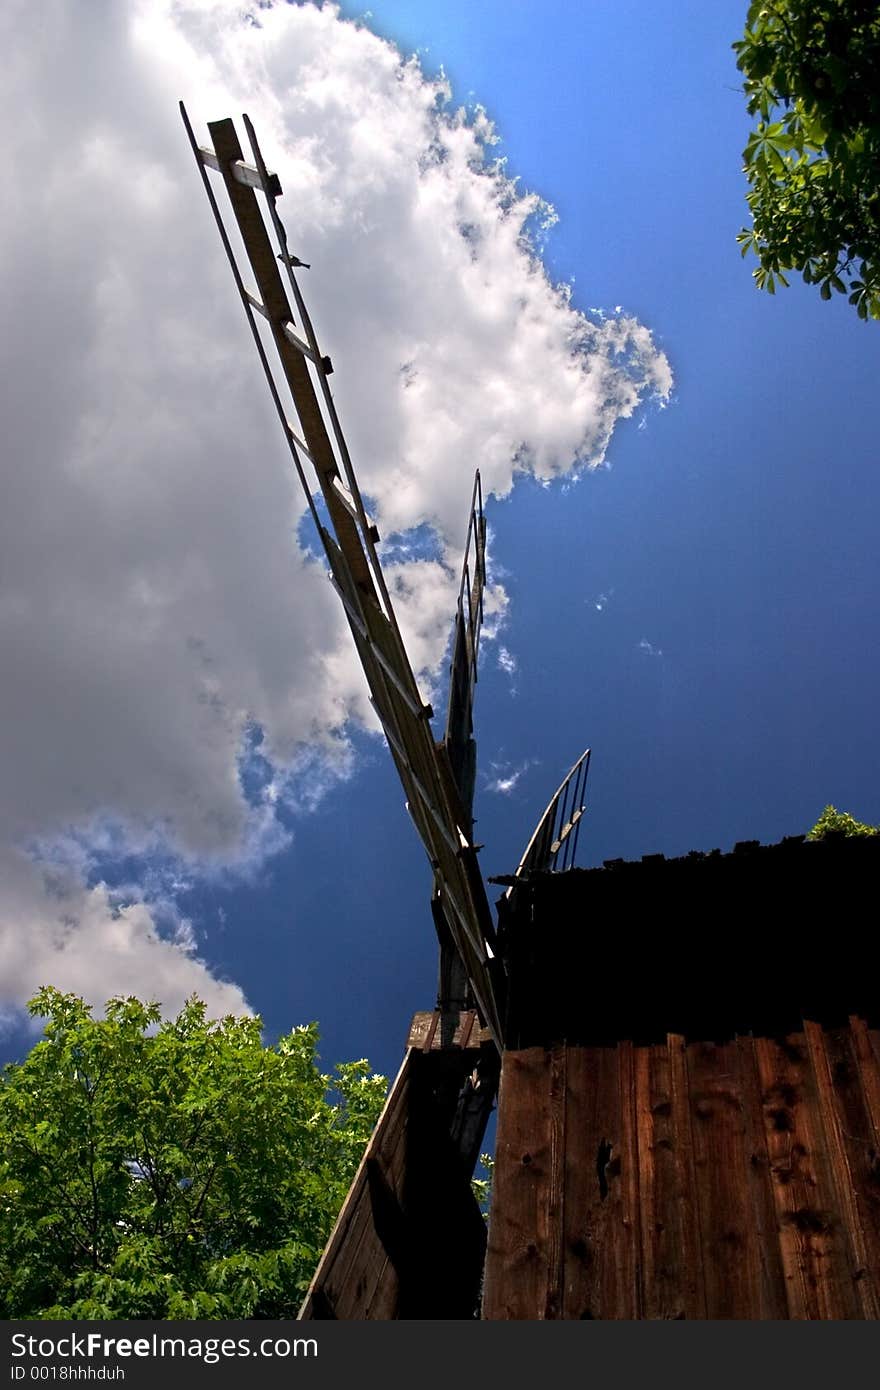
(587, 1191)
(738, 1180)
(849, 1143)
(516, 1279)
(731, 1258)
(771, 1294)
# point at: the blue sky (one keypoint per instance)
(699, 609)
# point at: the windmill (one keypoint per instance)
(439, 1106)
(663, 1150)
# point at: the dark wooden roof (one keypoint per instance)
(707, 945)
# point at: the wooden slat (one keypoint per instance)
(731, 1255)
(551, 1210)
(813, 1248)
(846, 1130)
(600, 1227)
(650, 1077)
(689, 1257)
(242, 173)
(628, 1242)
(669, 1241)
(581, 1238)
(790, 1178)
(867, 1058)
(516, 1265)
(772, 1301)
(841, 1297)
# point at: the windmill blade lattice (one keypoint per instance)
(435, 776)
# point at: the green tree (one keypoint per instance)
(834, 822)
(813, 161)
(170, 1170)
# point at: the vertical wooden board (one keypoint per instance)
(691, 1275)
(867, 1059)
(579, 1236)
(761, 1210)
(651, 1081)
(627, 1204)
(849, 1141)
(670, 1274)
(812, 1243)
(595, 1265)
(516, 1264)
(779, 1073)
(731, 1258)
(551, 1213)
(840, 1296)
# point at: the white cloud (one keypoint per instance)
(505, 785)
(601, 601)
(154, 604)
(507, 662)
(648, 648)
(506, 776)
(88, 941)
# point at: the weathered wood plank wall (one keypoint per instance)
(689, 1180)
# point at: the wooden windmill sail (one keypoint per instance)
(437, 776)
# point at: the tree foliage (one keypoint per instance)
(834, 822)
(170, 1170)
(482, 1187)
(813, 161)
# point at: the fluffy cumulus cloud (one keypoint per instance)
(156, 608)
